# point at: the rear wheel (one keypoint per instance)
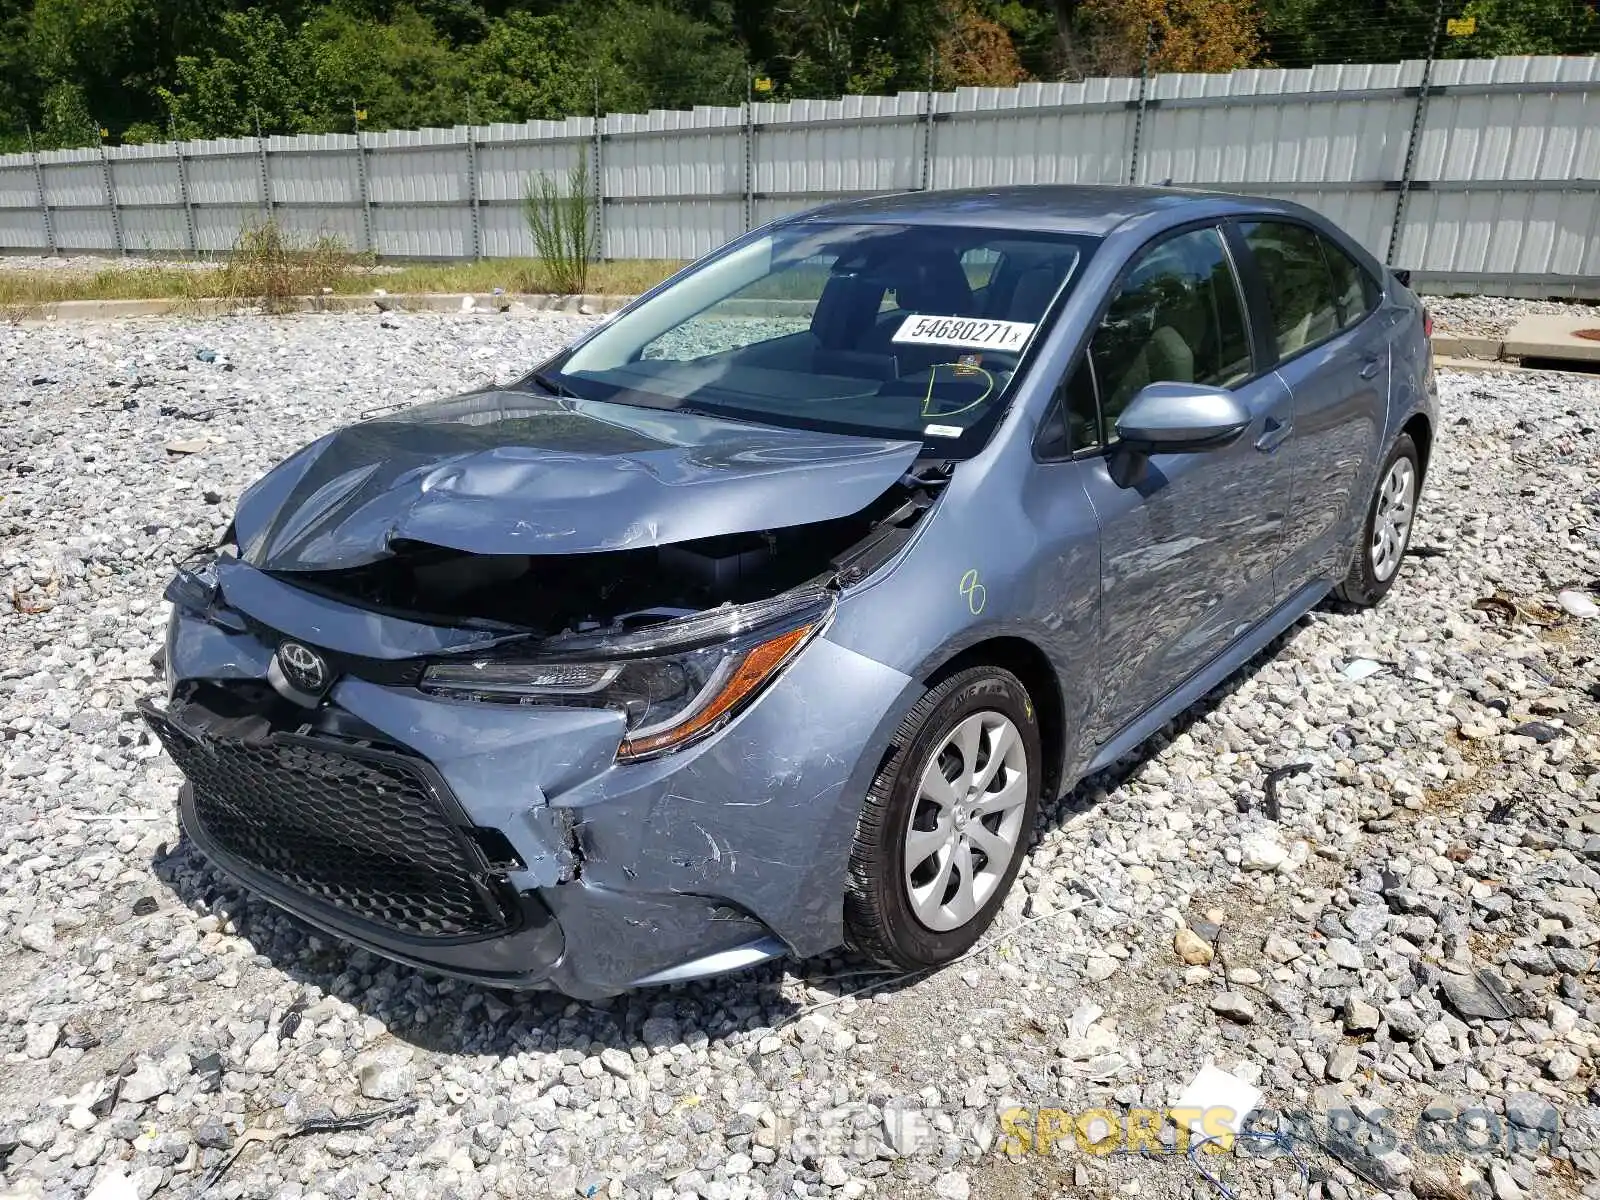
(946, 822)
(1387, 530)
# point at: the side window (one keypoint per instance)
(1301, 301)
(1081, 405)
(1074, 420)
(1178, 317)
(1352, 287)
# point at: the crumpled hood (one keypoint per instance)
(510, 472)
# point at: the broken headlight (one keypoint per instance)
(674, 682)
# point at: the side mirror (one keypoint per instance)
(1179, 418)
(1174, 418)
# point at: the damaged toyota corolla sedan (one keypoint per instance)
(761, 619)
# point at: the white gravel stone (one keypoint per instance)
(1263, 852)
(146, 1082)
(38, 938)
(617, 1062)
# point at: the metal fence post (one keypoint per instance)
(44, 203)
(596, 166)
(1418, 117)
(361, 180)
(472, 194)
(183, 190)
(749, 150)
(263, 173)
(111, 193)
(927, 131)
(1142, 103)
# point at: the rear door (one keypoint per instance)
(1320, 324)
(1187, 554)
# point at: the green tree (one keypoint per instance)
(1525, 27)
(833, 47)
(401, 72)
(653, 56)
(1302, 33)
(64, 116)
(68, 67)
(258, 78)
(112, 55)
(527, 68)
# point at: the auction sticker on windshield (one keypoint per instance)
(972, 332)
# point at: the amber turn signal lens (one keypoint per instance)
(759, 664)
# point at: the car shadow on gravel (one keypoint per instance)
(452, 1016)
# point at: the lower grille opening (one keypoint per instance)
(362, 830)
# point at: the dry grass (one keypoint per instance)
(271, 269)
(267, 267)
(626, 277)
(28, 289)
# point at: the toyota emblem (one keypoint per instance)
(303, 667)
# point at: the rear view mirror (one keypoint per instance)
(1174, 418)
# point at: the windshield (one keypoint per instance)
(910, 331)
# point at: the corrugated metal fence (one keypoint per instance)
(1480, 175)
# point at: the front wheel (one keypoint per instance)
(1387, 530)
(946, 822)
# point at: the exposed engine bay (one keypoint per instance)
(625, 589)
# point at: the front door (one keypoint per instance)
(1187, 554)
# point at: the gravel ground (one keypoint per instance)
(91, 264)
(1479, 316)
(1492, 316)
(1403, 954)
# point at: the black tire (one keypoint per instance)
(879, 919)
(1362, 587)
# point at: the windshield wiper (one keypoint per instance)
(554, 388)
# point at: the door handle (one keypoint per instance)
(1371, 367)
(1274, 434)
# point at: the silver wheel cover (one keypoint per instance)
(966, 820)
(1391, 520)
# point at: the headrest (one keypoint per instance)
(934, 284)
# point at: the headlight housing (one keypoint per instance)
(674, 683)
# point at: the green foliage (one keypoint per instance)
(1527, 27)
(652, 56)
(256, 80)
(528, 68)
(64, 116)
(141, 68)
(400, 71)
(560, 216)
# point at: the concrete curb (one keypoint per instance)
(1465, 345)
(1481, 366)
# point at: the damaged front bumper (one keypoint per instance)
(506, 843)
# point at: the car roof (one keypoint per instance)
(1094, 209)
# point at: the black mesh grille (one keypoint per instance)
(361, 830)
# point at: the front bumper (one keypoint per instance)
(611, 876)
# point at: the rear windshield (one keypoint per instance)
(910, 331)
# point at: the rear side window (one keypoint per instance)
(1177, 317)
(1303, 305)
(1353, 288)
